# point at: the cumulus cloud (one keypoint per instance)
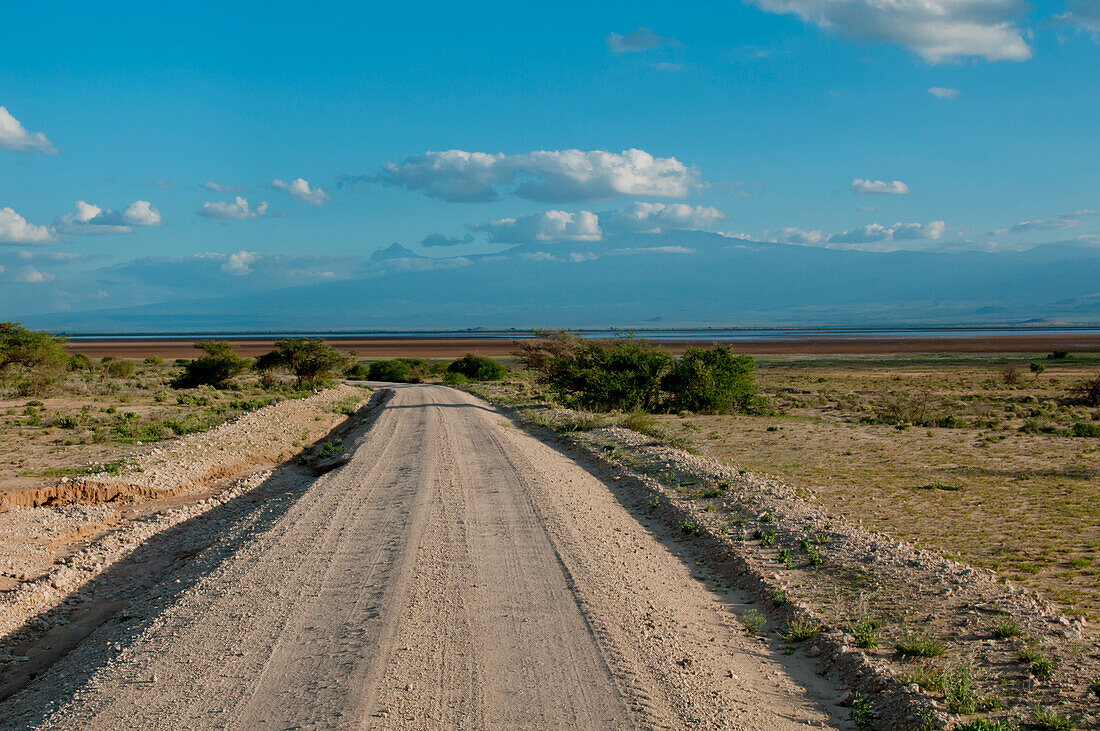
(936, 30)
(30, 275)
(441, 240)
(659, 217)
(220, 188)
(546, 227)
(941, 92)
(89, 219)
(240, 262)
(14, 229)
(13, 136)
(879, 187)
(640, 39)
(790, 235)
(238, 210)
(301, 191)
(542, 175)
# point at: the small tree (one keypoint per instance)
(217, 368)
(537, 352)
(312, 361)
(478, 368)
(1088, 390)
(711, 381)
(38, 358)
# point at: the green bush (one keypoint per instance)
(711, 381)
(311, 361)
(80, 362)
(35, 360)
(397, 370)
(478, 368)
(217, 368)
(454, 379)
(153, 360)
(1084, 429)
(121, 368)
(357, 372)
(621, 376)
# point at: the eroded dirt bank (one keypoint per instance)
(456, 572)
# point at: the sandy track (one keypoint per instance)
(455, 573)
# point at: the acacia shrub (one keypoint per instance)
(711, 381)
(621, 376)
(32, 360)
(311, 361)
(478, 368)
(217, 368)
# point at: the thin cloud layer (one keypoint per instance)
(221, 188)
(640, 39)
(14, 229)
(872, 237)
(1083, 15)
(941, 92)
(13, 136)
(301, 191)
(238, 210)
(936, 30)
(549, 176)
(879, 187)
(441, 240)
(90, 219)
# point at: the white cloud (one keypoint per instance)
(876, 233)
(300, 190)
(1064, 221)
(546, 227)
(30, 275)
(941, 92)
(221, 188)
(544, 175)
(14, 229)
(879, 187)
(655, 250)
(659, 217)
(936, 30)
(240, 262)
(579, 256)
(666, 66)
(14, 137)
(238, 210)
(872, 237)
(791, 235)
(640, 39)
(1084, 15)
(89, 219)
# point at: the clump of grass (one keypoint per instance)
(1094, 687)
(785, 557)
(753, 621)
(948, 487)
(959, 691)
(865, 631)
(919, 644)
(1037, 663)
(1005, 628)
(799, 631)
(1047, 719)
(985, 724)
(779, 598)
(926, 677)
(862, 713)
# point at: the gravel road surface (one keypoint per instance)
(456, 573)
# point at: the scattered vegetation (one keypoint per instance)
(312, 361)
(478, 368)
(1005, 628)
(216, 368)
(753, 621)
(919, 644)
(1047, 719)
(31, 361)
(862, 711)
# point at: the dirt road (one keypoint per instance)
(456, 573)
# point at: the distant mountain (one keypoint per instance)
(679, 279)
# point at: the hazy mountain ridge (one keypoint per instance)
(688, 277)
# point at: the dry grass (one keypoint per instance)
(93, 420)
(1002, 488)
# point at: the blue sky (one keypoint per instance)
(754, 119)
